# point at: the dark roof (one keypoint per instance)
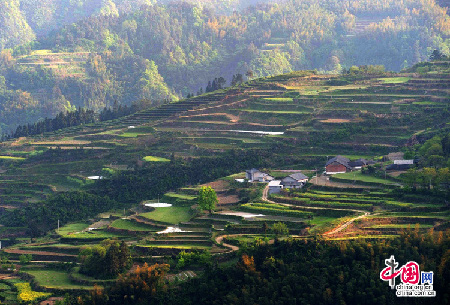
(339, 159)
(298, 176)
(399, 166)
(359, 162)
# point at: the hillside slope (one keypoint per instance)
(308, 115)
(111, 52)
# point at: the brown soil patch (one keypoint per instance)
(75, 147)
(322, 180)
(5, 206)
(16, 251)
(69, 142)
(231, 117)
(228, 199)
(218, 185)
(7, 276)
(396, 173)
(51, 301)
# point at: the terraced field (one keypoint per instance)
(61, 64)
(301, 116)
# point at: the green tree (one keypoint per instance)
(25, 258)
(280, 229)
(207, 198)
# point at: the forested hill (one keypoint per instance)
(131, 50)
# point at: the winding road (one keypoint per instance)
(335, 230)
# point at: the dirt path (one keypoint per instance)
(335, 230)
(266, 190)
(345, 225)
(219, 240)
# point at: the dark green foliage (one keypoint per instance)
(311, 272)
(62, 120)
(147, 183)
(433, 171)
(194, 258)
(14, 29)
(171, 49)
(105, 260)
(68, 206)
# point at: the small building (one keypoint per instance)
(401, 162)
(337, 165)
(296, 180)
(400, 165)
(275, 186)
(358, 164)
(256, 175)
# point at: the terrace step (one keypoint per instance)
(143, 220)
(183, 237)
(181, 242)
(214, 221)
(198, 234)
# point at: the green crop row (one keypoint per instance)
(274, 209)
(318, 203)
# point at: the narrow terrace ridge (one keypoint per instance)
(171, 109)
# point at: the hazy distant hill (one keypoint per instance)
(14, 29)
(128, 50)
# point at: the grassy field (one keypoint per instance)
(275, 111)
(72, 228)
(179, 196)
(358, 176)
(388, 236)
(401, 226)
(322, 223)
(12, 158)
(94, 234)
(173, 214)
(155, 159)
(127, 224)
(278, 99)
(183, 246)
(54, 279)
(131, 134)
(395, 80)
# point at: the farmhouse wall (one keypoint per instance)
(336, 167)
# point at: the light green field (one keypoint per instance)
(41, 52)
(55, 279)
(12, 158)
(131, 134)
(395, 80)
(427, 103)
(155, 159)
(171, 214)
(366, 237)
(358, 176)
(323, 223)
(401, 226)
(126, 224)
(72, 228)
(180, 196)
(278, 99)
(275, 111)
(184, 246)
(94, 234)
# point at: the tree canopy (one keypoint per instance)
(207, 198)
